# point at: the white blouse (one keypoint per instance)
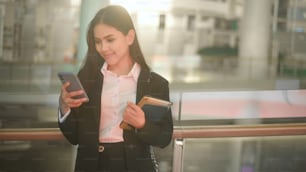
(116, 92)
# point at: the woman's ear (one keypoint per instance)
(130, 36)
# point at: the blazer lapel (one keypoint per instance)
(143, 84)
(97, 98)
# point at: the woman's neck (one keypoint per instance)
(123, 68)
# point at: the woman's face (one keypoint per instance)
(113, 45)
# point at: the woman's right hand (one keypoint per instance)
(66, 98)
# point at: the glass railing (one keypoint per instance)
(238, 129)
(241, 154)
(260, 148)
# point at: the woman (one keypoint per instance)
(115, 76)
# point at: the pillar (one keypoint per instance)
(87, 12)
(255, 36)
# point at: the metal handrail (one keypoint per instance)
(180, 132)
(240, 130)
(31, 134)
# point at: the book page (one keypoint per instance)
(153, 101)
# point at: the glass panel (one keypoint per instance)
(258, 154)
(243, 104)
(36, 156)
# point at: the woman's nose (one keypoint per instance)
(103, 46)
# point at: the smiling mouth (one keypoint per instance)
(107, 56)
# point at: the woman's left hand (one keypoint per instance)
(134, 115)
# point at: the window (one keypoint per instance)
(190, 22)
(162, 22)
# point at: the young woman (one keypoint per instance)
(115, 76)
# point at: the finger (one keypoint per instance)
(128, 116)
(68, 98)
(76, 93)
(64, 92)
(77, 104)
(65, 86)
(131, 115)
(134, 121)
(71, 93)
(129, 119)
(132, 107)
(74, 102)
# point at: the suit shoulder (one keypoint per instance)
(159, 78)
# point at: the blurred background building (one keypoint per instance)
(246, 56)
(188, 42)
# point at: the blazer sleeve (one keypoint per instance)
(158, 133)
(69, 127)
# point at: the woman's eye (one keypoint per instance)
(110, 40)
(97, 41)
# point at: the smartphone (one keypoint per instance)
(75, 83)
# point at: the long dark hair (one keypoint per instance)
(117, 17)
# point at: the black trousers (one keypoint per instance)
(112, 159)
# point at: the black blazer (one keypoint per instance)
(82, 127)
